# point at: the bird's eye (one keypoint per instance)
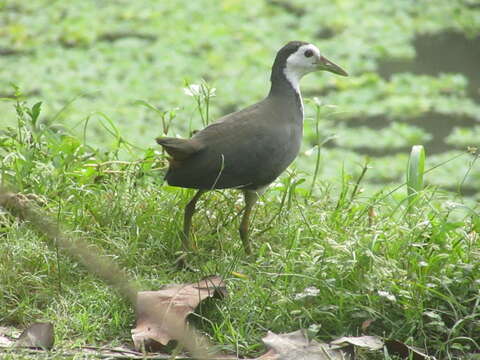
(308, 53)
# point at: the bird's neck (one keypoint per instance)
(286, 87)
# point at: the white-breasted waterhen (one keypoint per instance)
(250, 148)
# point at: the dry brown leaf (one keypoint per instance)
(127, 353)
(269, 355)
(174, 303)
(8, 334)
(4, 341)
(398, 348)
(96, 352)
(368, 342)
(38, 336)
(297, 346)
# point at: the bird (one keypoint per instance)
(248, 149)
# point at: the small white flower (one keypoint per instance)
(199, 90)
(451, 205)
(317, 101)
(387, 295)
(309, 291)
(309, 152)
(192, 90)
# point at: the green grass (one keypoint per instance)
(414, 270)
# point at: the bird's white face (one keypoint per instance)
(305, 60)
(301, 62)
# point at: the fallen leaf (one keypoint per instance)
(269, 355)
(120, 352)
(172, 304)
(8, 336)
(38, 336)
(5, 341)
(297, 346)
(369, 342)
(398, 348)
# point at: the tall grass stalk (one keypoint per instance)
(319, 144)
(202, 94)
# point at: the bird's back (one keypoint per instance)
(247, 149)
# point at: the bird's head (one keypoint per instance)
(298, 58)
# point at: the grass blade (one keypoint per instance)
(415, 171)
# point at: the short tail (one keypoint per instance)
(179, 149)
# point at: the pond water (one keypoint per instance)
(447, 52)
(441, 53)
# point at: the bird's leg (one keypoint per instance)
(250, 200)
(187, 219)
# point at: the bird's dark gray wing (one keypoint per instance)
(247, 149)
